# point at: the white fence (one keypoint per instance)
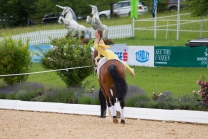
(168, 19)
(38, 37)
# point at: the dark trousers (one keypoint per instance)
(103, 104)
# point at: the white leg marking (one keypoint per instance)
(114, 110)
(122, 114)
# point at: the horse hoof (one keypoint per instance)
(118, 114)
(115, 120)
(123, 122)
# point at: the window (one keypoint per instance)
(117, 5)
(125, 4)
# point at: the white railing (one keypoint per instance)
(168, 19)
(43, 36)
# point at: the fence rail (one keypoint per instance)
(43, 36)
(171, 22)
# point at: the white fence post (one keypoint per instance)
(167, 29)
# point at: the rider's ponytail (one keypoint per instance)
(101, 34)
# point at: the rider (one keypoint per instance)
(101, 48)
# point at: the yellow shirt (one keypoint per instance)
(106, 53)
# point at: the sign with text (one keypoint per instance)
(180, 56)
(121, 50)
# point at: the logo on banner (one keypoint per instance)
(122, 55)
(203, 60)
(142, 56)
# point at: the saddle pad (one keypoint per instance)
(101, 62)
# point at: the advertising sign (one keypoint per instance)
(36, 51)
(141, 56)
(180, 56)
(121, 50)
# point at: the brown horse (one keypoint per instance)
(112, 76)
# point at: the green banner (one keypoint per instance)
(134, 8)
(180, 56)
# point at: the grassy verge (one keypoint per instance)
(179, 81)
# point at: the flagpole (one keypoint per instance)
(133, 27)
(134, 13)
(155, 23)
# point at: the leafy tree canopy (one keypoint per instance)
(198, 7)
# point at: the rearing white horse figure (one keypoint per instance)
(69, 20)
(96, 23)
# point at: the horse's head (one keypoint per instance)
(94, 55)
(67, 10)
(94, 9)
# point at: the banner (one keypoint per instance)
(121, 50)
(180, 56)
(134, 8)
(141, 56)
(154, 7)
(36, 51)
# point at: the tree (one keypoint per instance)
(198, 7)
(16, 12)
(14, 59)
(68, 53)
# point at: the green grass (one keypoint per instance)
(178, 80)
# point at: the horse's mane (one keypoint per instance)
(73, 14)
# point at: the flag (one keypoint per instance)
(134, 8)
(154, 5)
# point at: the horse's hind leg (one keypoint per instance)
(112, 109)
(113, 102)
(122, 112)
(116, 110)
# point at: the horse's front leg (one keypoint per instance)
(97, 22)
(63, 20)
(89, 20)
(60, 20)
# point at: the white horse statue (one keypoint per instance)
(96, 23)
(70, 21)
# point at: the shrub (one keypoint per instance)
(68, 53)
(25, 91)
(203, 91)
(2, 96)
(14, 59)
(24, 95)
(136, 97)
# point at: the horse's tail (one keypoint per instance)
(121, 86)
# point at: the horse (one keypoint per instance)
(96, 23)
(112, 80)
(70, 21)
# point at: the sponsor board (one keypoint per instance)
(121, 50)
(180, 56)
(37, 51)
(141, 56)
